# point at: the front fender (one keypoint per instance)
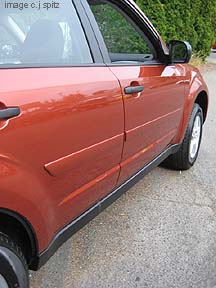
(195, 87)
(22, 192)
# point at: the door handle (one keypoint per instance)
(8, 113)
(133, 89)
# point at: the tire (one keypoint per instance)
(187, 155)
(13, 266)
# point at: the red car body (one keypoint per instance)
(79, 138)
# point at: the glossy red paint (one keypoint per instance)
(195, 86)
(150, 126)
(69, 136)
(68, 147)
(79, 136)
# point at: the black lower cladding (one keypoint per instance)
(86, 217)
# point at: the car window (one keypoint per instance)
(44, 37)
(8, 47)
(123, 39)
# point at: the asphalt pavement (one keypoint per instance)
(212, 58)
(160, 234)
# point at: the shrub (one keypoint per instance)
(191, 20)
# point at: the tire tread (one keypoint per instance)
(7, 242)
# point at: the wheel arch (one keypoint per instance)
(19, 229)
(202, 100)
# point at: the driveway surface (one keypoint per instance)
(212, 58)
(160, 234)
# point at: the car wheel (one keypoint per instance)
(187, 155)
(13, 266)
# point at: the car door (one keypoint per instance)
(70, 131)
(153, 92)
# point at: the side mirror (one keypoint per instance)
(180, 51)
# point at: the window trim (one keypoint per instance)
(132, 13)
(89, 33)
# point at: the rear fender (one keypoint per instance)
(21, 191)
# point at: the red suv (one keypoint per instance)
(91, 99)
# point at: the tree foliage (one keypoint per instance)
(191, 20)
(119, 35)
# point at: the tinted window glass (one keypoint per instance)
(41, 36)
(122, 37)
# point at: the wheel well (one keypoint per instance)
(202, 100)
(20, 231)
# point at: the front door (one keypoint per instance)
(153, 93)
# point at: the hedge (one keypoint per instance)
(190, 20)
(115, 30)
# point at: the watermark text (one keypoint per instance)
(37, 5)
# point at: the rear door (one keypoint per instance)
(71, 127)
(153, 92)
